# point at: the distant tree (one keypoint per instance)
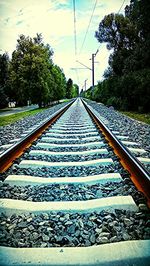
(81, 93)
(69, 88)
(3, 98)
(59, 86)
(75, 91)
(4, 62)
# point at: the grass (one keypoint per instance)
(140, 117)
(6, 120)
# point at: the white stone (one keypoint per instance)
(10, 206)
(50, 153)
(115, 132)
(40, 164)
(14, 140)
(71, 131)
(24, 180)
(51, 139)
(144, 160)
(6, 146)
(51, 145)
(135, 252)
(72, 135)
(122, 137)
(136, 150)
(130, 143)
(73, 127)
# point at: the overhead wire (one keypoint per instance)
(77, 76)
(88, 26)
(121, 6)
(75, 31)
(117, 13)
(75, 37)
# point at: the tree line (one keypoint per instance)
(126, 83)
(31, 76)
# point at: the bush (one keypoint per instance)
(3, 98)
(114, 101)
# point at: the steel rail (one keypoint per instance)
(138, 174)
(7, 158)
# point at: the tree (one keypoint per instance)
(29, 70)
(4, 61)
(75, 91)
(117, 31)
(69, 88)
(59, 83)
(3, 98)
(127, 78)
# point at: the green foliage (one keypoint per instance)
(126, 85)
(58, 83)
(72, 90)
(31, 74)
(75, 91)
(140, 117)
(69, 88)
(4, 60)
(87, 94)
(3, 98)
(3, 69)
(29, 70)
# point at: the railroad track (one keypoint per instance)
(68, 198)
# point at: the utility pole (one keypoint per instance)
(85, 84)
(93, 55)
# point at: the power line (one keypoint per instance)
(117, 13)
(75, 31)
(88, 25)
(77, 76)
(121, 6)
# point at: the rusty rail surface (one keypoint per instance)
(7, 158)
(138, 174)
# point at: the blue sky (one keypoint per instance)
(55, 20)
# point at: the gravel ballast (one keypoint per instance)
(70, 192)
(14, 130)
(137, 131)
(59, 229)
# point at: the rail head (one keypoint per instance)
(138, 173)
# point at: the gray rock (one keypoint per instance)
(45, 237)
(126, 236)
(114, 239)
(102, 240)
(143, 207)
(21, 224)
(127, 221)
(35, 236)
(43, 245)
(104, 234)
(92, 239)
(71, 229)
(99, 193)
(31, 227)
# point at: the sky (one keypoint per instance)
(55, 20)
